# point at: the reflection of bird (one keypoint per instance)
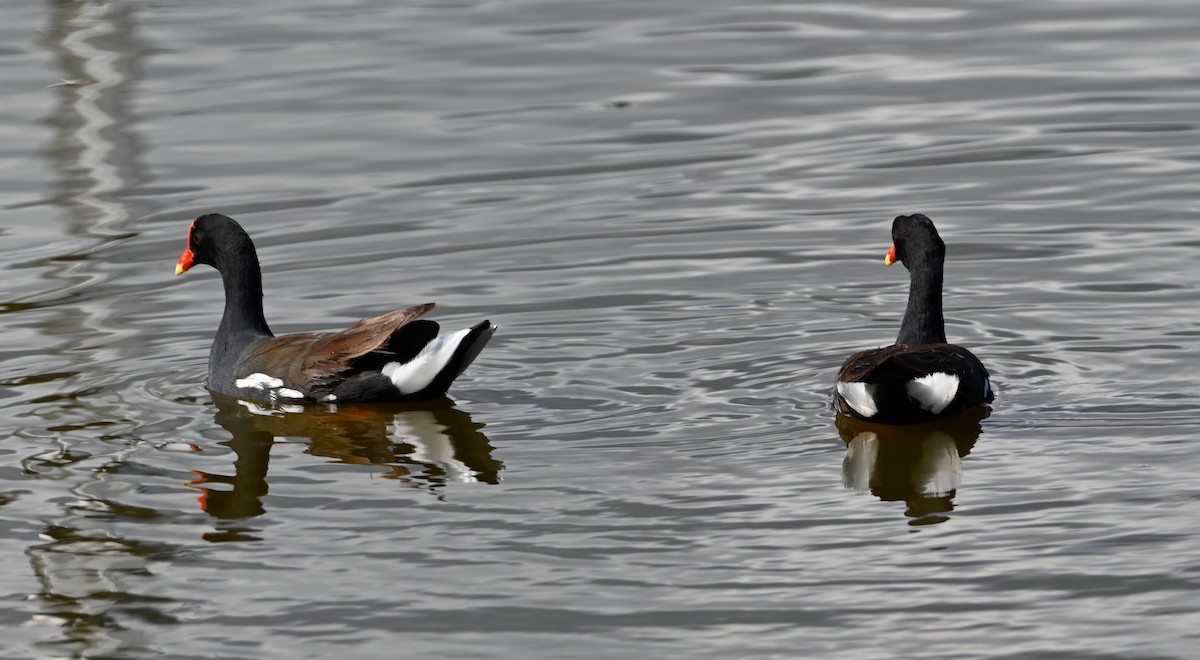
(920, 464)
(424, 448)
(393, 357)
(920, 378)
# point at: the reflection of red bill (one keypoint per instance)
(202, 478)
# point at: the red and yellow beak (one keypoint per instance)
(186, 260)
(887, 261)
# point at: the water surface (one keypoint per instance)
(677, 213)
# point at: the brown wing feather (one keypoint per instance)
(907, 362)
(858, 367)
(310, 360)
(366, 336)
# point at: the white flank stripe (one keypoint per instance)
(934, 392)
(271, 385)
(860, 397)
(258, 381)
(416, 374)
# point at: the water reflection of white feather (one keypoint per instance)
(939, 472)
(272, 410)
(420, 448)
(861, 453)
(920, 464)
(431, 444)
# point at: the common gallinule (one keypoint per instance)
(921, 377)
(393, 357)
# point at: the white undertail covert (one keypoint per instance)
(416, 374)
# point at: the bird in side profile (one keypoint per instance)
(394, 357)
(920, 378)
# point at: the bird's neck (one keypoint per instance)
(243, 297)
(243, 321)
(923, 322)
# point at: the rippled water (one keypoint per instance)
(677, 213)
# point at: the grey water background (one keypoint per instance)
(677, 213)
